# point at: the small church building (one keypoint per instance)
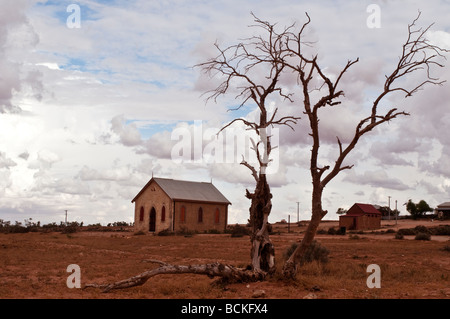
(361, 217)
(168, 204)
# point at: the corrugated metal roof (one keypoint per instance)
(444, 205)
(189, 191)
(363, 209)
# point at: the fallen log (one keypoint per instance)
(228, 273)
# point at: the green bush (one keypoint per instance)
(441, 230)
(399, 236)
(314, 252)
(423, 236)
(238, 231)
(331, 231)
(421, 229)
(406, 231)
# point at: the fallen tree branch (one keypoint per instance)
(227, 272)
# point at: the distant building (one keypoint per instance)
(361, 217)
(174, 204)
(443, 210)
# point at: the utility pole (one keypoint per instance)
(298, 208)
(66, 216)
(389, 211)
(396, 212)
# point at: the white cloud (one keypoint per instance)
(6, 162)
(17, 39)
(376, 178)
(129, 134)
(92, 104)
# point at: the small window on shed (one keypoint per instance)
(141, 214)
(200, 215)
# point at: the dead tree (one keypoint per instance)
(277, 54)
(418, 54)
(240, 66)
(243, 66)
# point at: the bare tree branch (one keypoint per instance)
(251, 168)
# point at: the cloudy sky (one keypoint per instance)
(91, 107)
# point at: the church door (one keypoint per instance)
(152, 225)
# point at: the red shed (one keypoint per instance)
(361, 217)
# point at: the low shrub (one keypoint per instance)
(406, 232)
(334, 231)
(184, 231)
(166, 232)
(238, 231)
(399, 236)
(441, 230)
(70, 228)
(315, 252)
(423, 236)
(331, 231)
(421, 229)
(212, 231)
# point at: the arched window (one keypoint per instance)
(141, 214)
(200, 215)
(217, 216)
(183, 214)
(163, 214)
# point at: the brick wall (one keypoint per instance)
(153, 197)
(208, 221)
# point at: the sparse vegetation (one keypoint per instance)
(238, 231)
(334, 231)
(186, 232)
(316, 252)
(441, 230)
(166, 232)
(399, 236)
(66, 228)
(423, 236)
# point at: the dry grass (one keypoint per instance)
(33, 265)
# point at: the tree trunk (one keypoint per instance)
(262, 252)
(291, 266)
